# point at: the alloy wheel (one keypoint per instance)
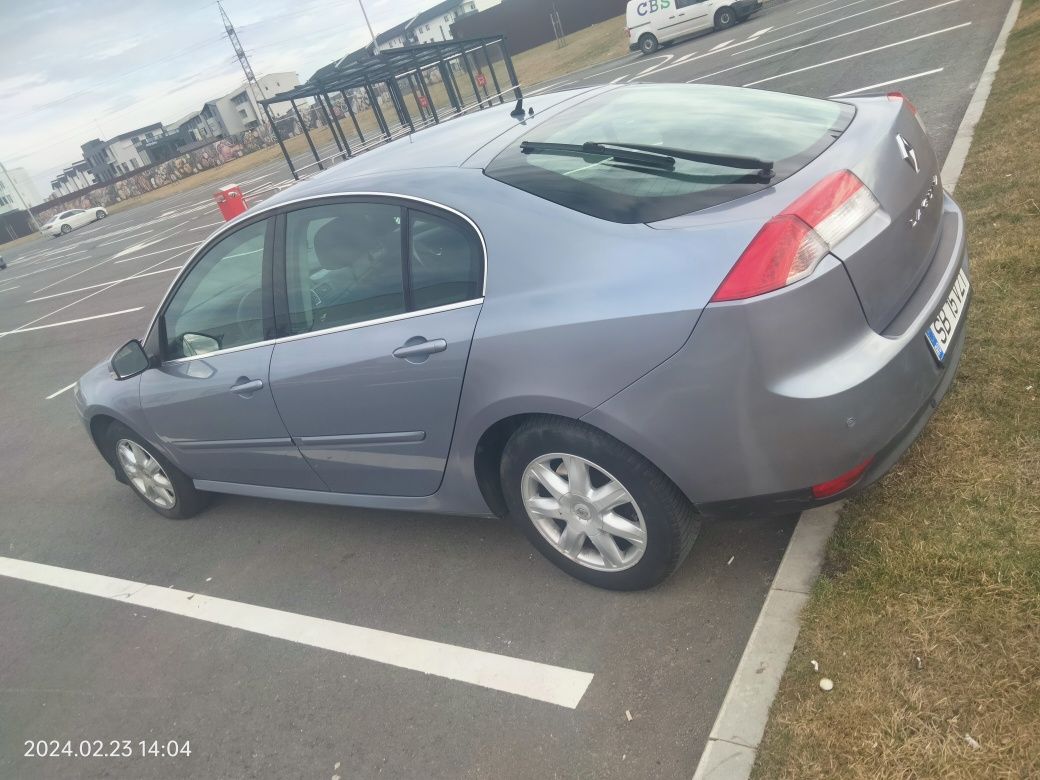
(584, 512)
(146, 474)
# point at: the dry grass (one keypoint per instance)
(929, 617)
(593, 45)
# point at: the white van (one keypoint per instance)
(654, 22)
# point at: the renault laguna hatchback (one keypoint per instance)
(652, 23)
(640, 307)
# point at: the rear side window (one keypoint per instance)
(446, 263)
(787, 130)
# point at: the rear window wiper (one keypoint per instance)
(663, 157)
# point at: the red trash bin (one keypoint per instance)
(231, 201)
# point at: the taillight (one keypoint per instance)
(844, 482)
(792, 244)
(900, 97)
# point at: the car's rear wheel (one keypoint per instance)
(100, 214)
(648, 44)
(725, 18)
(156, 481)
(66, 229)
(595, 508)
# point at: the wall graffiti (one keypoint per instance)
(152, 178)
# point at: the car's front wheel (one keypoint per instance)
(100, 214)
(595, 508)
(156, 481)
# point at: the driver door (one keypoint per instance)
(210, 401)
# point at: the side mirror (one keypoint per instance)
(130, 360)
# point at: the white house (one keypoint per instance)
(17, 191)
(111, 159)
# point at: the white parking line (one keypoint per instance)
(813, 8)
(156, 252)
(532, 680)
(834, 38)
(206, 227)
(758, 33)
(859, 54)
(774, 41)
(722, 45)
(8, 289)
(71, 322)
(887, 83)
(55, 394)
(101, 284)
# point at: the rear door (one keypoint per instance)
(210, 400)
(381, 298)
(695, 15)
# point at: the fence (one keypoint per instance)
(529, 22)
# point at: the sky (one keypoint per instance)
(76, 70)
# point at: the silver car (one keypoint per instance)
(626, 311)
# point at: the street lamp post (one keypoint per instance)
(364, 13)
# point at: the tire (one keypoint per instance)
(725, 18)
(648, 44)
(656, 512)
(66, 229)
(186, 500)
(100, 215)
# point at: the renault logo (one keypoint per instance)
(908, 153)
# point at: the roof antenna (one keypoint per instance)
(518, 112)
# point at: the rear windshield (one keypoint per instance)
(787, 130)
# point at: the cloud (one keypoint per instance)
(79, 69)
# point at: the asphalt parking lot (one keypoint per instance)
(650, 669)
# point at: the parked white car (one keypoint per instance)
(67, 221)
(651, 23)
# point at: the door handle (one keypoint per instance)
(247, 386)
(420, 348)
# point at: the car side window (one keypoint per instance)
(343, 265)
(219, 304)
(446, 262)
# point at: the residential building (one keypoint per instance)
(117, 156)
(237, 111)
(434, 24)
(17, 191)
(74, 178)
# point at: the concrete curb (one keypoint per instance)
(741, 723)
(738, 729)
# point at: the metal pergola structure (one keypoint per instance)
(399, 74)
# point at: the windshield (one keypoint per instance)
(787, 129)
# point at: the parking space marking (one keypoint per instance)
(8, 289)
(722, 45)
(530, 679)
(774, 41)
(888, 83)
(836, 37)
(100, 284)
(157, 252)
(65, 389)
(813, 8)
(858, 54)
(207, 227)
(71, 322)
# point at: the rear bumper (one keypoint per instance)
(792, 389)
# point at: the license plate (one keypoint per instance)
(940, 334)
